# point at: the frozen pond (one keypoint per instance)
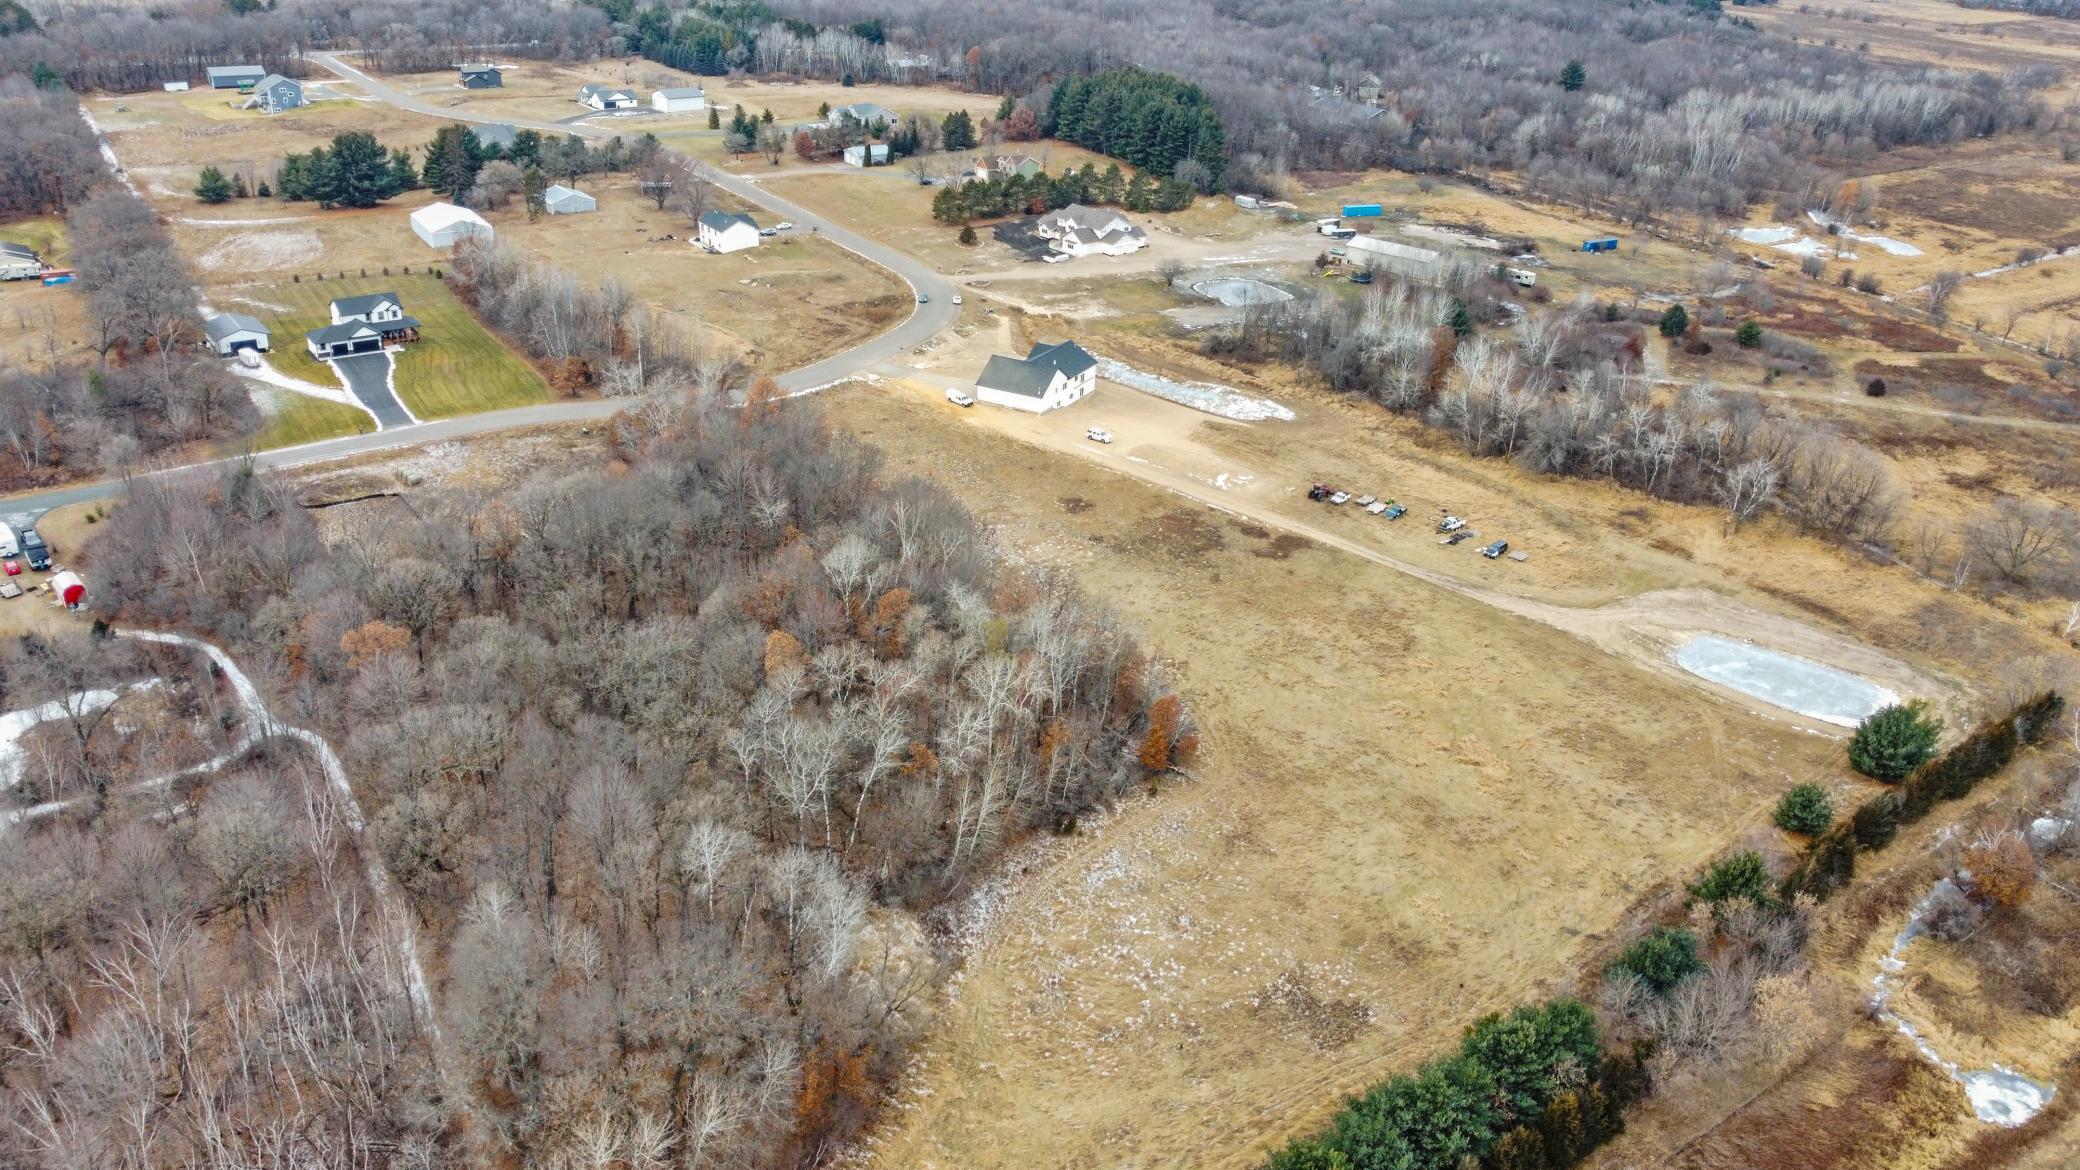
(1795, 684)
(1236, 291)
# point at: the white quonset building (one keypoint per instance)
(1049, 378)
(562, 200)
(721, 231)
(689, 99)
(444, 225)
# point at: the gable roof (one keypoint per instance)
(1090, 224)
(1031, 375)
(496, 133)
(592, 88)
(436, 217)
(361, 306)
(330, 335)
(274, 79)
(557, 193)
(723, 221)
(224, 325)
(687, 91)
(864, 111)
(468, 70)
(230, 71)
(1067, 356)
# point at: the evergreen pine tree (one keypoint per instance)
(715, 116)
(1573, 76)
(1561, 1128)
(212, 187)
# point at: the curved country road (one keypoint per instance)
(924, 323)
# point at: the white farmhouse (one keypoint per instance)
(721, 231)
(443, 225)
(606, 97)
(1049, 378)
(688, 100)
(1077, 230)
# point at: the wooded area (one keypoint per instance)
(650, 747)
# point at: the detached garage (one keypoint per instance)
(230, 332)
(444, 225)
(562, 200)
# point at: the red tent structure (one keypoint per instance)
(70, 589)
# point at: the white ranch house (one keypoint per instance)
(1077, 230)
(606, 97)
(1052, 376)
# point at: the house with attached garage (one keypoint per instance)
(363, 324)
(230, 332)
(562, 200)
(865, 113)
(479, 77)
(1077, 230)
(1049, 378)
(234, 76)
(689, 99)
(722, 231)
(275, 93)
(606, 97)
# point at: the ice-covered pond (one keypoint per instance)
(1238, 290)
(1795, 684)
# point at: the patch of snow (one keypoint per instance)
(15, 724)
(2065, 253)
(1211, 397)
(268, 305)
(1998, 1095)
(1447, 235)
(108, 153)
(1236, 291)
(258, 250)
(1773, 234)
(1883, 243)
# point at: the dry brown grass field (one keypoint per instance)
(1927, 32)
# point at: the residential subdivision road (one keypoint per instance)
(926, 321)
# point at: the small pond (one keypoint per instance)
(1237, 290)
(1795, 684)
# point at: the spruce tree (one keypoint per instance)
(212, 187)
(1573, 76)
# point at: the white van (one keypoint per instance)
(9, 546)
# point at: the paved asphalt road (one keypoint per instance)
(368, 376)
(926, 322)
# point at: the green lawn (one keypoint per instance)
(456, 366)
(301, 419)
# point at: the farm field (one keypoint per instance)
(543, 91)
(455, 368)
(792, 300)
(1929, 32)
(1403, 817)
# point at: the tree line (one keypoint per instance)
(959, 202)
(1151, 120)
(657, 744)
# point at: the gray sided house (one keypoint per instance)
(230, 332)
(562, 200)
(233, 76)
(363, 324)
(479, 77)
(276, 93)
(865, 113)
(1052, 376)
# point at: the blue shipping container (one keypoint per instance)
(1606, 244)
(1363, 209)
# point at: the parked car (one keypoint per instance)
(1320, 491)
(1366, 501)
(769, 231)
(1395, 512)
(956, 298)
(783, 226)
(1495, 550)
(922, 298)
(1450, 524)
(1055, 258)
(249, 358)
(35, 550)
(959, 399)
(14, 568)
(1340, 498)
(1098, 435)
(1376, 507)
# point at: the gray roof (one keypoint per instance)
(594, 87)
(231, 71)
(722, 221)
(344, 331)
(690, 91)
(224, 325)
(476, 69)
(864, 111)
(22, 250)
(274, 79)
(1030, 376)
(360, 306)
(500, 134)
